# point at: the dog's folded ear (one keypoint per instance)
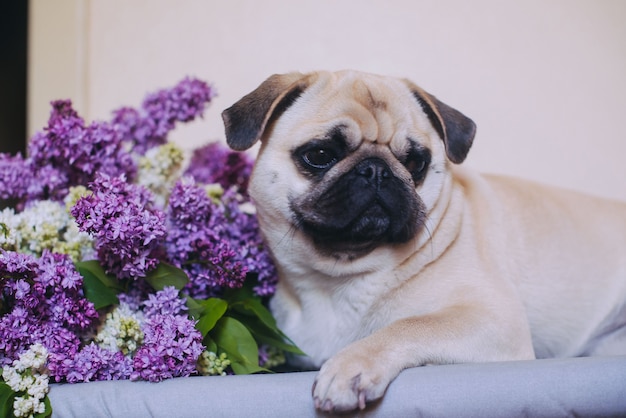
(246, 120)
(456, 129)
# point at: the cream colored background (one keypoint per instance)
(545, 80)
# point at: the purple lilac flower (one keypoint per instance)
(93, 363)
(190, 208)
(209, 261)
(135, 294)
(242, 230)
(127, 228)
(42, 301)
(159, 113)
(218, 245)
(15, 177)
(214, 163)
(66, 305)
(218, 268)
(195, 245)
(171, 348)
(165, 302)
(76, 152)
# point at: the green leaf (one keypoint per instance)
(210, 344)
(265, 335)
(94, 267)
(167, 275)
(4, 229)
(213, 310)
(235, 340)
(246, 368)
(100, 288)
(253, 306)
(195, 307)
(260, 321)
(244, 292)
(6, 400)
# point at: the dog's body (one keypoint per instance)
(391, 257)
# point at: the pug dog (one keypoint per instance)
(391, 255)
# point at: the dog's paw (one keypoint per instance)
(349, 380)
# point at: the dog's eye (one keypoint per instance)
(317, 156)
(417, 163)
(320, 158)
(415, 166)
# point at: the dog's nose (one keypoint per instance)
(373, 169)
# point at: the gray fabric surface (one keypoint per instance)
(541, 388)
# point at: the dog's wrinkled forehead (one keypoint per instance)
(358, 110)
(371, 108)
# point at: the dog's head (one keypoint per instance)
(348, 161)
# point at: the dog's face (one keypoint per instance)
(349, 162)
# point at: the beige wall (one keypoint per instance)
(545, 80)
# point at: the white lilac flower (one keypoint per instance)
(270, 356)
(39, 386)
(26, 406)
(12, 378)
(215, 191)
(44, 225)
(40, 224)
(159, 169)
(27, 376)
(35, 358)
(73, 195)
(47, 225)
(121, 330)
(9, 237)
(210, 364)
(77, 244)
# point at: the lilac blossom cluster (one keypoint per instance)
(214, 163)
(232, 220)
(127, 228)
(42, 302)
(194, 242)
(238, 222)
(73, 152)
(68, 152)
(172, 344)
(148, 127)
(216, 242)
(206, 226)
(15, 177)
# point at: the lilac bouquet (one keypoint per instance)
(119, 260)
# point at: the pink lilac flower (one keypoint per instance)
(214, 163)
(159, 113)
(127, 227)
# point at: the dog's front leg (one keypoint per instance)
(361, 372)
